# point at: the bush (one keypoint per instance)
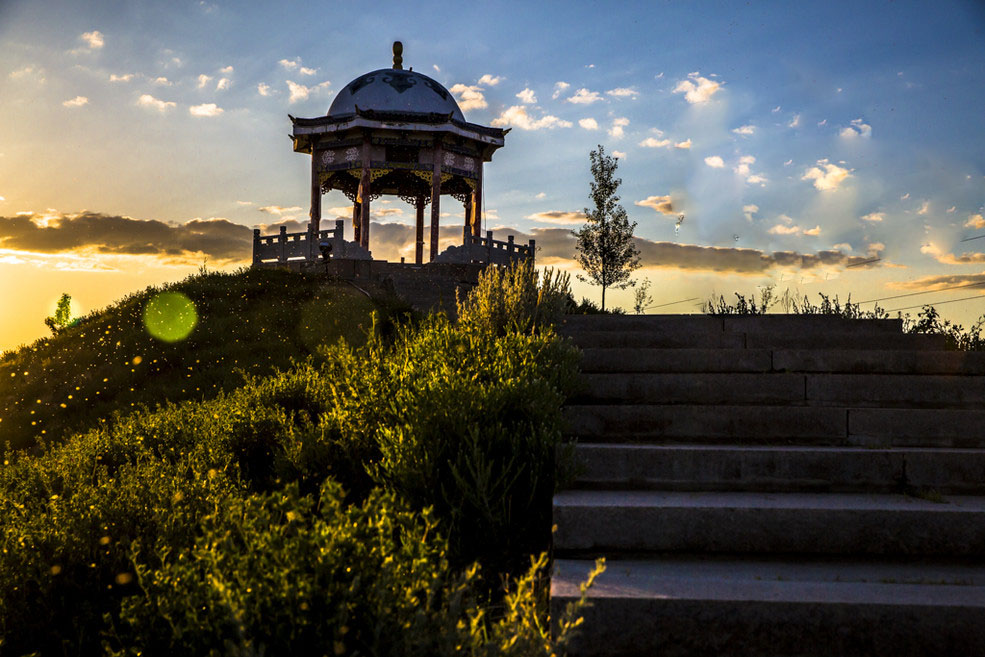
(509, 299)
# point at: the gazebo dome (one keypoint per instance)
(395, 90)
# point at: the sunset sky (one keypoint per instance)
(139, 140)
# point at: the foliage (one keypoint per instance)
(742, 305)
(589, 307)
(642, 297)
(605, 243)
(955, 335)
(339, 505)
(511, 299)
(62, 318)
(254, 322)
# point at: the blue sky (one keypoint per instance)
(795, 138)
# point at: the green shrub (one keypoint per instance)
(511, 299)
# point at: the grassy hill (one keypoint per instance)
(263, 487)
(251, 322)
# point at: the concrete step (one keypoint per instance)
(738, 607)
(750, 424)
(895, 341)
(701, 338)
(661, 338)
(734, 323)
(779, 469)
(778, 425)
(605, 523)
(857, 390)
(878, 361)
(676, 360)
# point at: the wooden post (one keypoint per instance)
(477, 202)
(533, 250)
(419, 244)
(357, 214)
(338, 239)
(256, 247)
(282, 240)
(314, 225)
(468, 212)
(489, 247)
(510, 249)
(364, 193)
(435, 197)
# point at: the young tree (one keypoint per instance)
(605, 244)
(62, 317)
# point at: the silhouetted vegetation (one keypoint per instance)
(382, 495)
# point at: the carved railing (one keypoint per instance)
(490, 251)
(292, 247)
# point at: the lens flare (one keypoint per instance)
(170, 316)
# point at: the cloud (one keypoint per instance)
(874, 217)
(588, 124)
(163, 82)
(559, 88)
(951, 259)
(491, 80)
(932, 283)
(742, 168)
(788, 228)
(975, 221)
(826, 176)
(437, 69)
(96, 233)
(781, 229)
(226, 70)
(714, 161)
(290, 64)
(78, 101)
(28, 72)
(517, 116)
(304, 70)
(745, 130)
(94, 40)
(527, 96)
(697, 89)
(301, 92)
(469, 96)
(222, 84)
(205, 110)
(146, 100)
(540, 195)
(616, 131)
(280, 210)
(749, 210)
(244, 202)
(653, 142)
(263, 89)
(120, 78)
(856, 129)
(795, 121)
(623, 92)
(924, 208)
(203, 80)
(661, 204)
(558, 217)
(684, 145)
(585, 97)
(816, 230)
(619, 154)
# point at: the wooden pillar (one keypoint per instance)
(419, 245)
(314, 215)
(364, 193)
(435, 198)
(357, 214)
(477, 203)
(468, 213)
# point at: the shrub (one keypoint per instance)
(511, 299)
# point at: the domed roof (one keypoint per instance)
(395, 90)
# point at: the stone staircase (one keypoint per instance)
(774, 485)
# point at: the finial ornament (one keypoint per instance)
(398, 60)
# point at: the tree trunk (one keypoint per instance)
(603, 298)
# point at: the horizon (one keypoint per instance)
(139, 141)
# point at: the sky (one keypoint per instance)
(830, 148)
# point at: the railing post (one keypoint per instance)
(338, 241)
(489, 247)
(533, 250)
(510, 249)
(256, 247)
(282, 239)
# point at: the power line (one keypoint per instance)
(661, 305)
(864, 262)
(939, 303)
(913, 294)
(976, 237)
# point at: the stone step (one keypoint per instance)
(779, 469)
(758, 424)
(734, 323)
(591, 523)
(623, 359)
(663, 337)
(857, 390)
(738, 607)
(878, 361)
